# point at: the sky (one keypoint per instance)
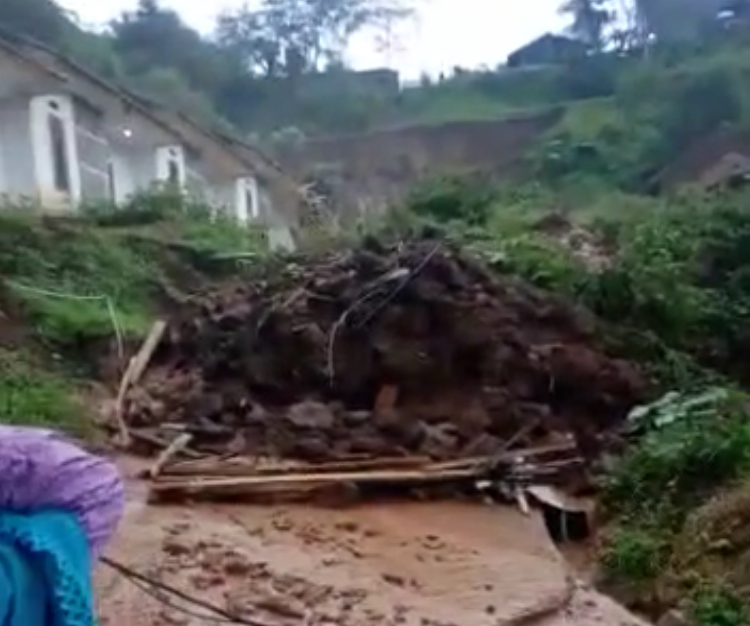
(446, 33)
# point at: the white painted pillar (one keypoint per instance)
(246, 200)
(42, 110)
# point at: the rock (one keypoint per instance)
(203, 581)
(173, 618)
(311, 415)
(174, 547)
(348, 526)
(367, 441)
(392, 579)
(357, 418)
(311, 448)
(675, 618)
(236, 566)
(483, 445)
(281, 605)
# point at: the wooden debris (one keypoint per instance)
(522, 501)
(246, 467)
(136, 367)
(152, 439)
(143, 358)
(216, 488)
(217, 479)
(174, 448)
(558, 499)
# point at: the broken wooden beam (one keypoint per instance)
(166, 455)
(136, 367)
(215, 488)
(246, 467)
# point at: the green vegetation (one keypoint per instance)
(666, 276)
(283, 64)
(654, 495)
(34, 395)
(82, 281)
(590, 216)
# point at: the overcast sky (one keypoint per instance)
(468, 33)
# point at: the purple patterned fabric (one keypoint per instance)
(41, 469)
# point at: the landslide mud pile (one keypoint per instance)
(383, 350)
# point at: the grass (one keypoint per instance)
(661, 501)
(72, 279)
(74, 275)
(719, 606)
(31, 395)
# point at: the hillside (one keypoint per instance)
(628, 113)
(663, 282)
(583, 299)
(241, 64)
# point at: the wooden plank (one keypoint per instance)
(249, 484)
(233, 468)
(143, 358)
(136, 367)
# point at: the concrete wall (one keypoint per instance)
(368, 171)
(16, 156)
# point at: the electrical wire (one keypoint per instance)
(159, 590)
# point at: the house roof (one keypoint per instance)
(43, 58)
(29, 50)
(558, 40)
(272, 175)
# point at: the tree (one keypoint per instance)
(152, 37)
(40, 19)
(289, 37)
(590, 18)
(677, 20)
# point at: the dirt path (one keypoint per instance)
(413, 564)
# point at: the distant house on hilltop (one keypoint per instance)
(548, 49)
(69, 137)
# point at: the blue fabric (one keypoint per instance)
(44, 571)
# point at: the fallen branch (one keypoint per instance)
(153, 440)
(136, 366)
(143, 358)
(173, 449)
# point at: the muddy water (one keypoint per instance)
(420, 564)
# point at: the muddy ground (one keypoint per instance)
(416, 564)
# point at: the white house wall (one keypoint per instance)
(111, 149)
(93, 153)
(16, 155)
(134, 169)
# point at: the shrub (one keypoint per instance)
(452, 198)
(32, 396)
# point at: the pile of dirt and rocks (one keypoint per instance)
(384, 349)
